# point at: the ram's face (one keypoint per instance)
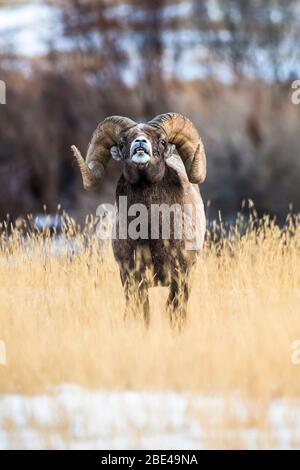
(143, 150)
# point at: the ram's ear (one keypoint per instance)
(115, 153)
(169, 151)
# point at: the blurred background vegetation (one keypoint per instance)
(227, 64)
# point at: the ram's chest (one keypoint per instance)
(155, 195)
(168, 191)
(145, 206)
(141, 202)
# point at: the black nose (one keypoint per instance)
(141, 140)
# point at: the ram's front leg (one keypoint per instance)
(142, 301)
(136, 296)
(178, 300)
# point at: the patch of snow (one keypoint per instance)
(74, 418)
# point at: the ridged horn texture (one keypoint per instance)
(98, 155)
(182, 133)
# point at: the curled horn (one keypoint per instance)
(105, 136)
(183, 134)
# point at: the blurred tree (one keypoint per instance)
(93, 50)
(119, 44)
(257, 39)
(149, 24)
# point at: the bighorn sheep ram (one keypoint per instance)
(152, 175)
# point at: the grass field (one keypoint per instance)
(62, 318)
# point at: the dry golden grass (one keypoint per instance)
(62, 318)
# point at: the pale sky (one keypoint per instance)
(28, 27)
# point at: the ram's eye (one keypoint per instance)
(121, 145)
(163, 142)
